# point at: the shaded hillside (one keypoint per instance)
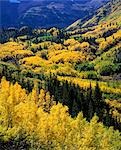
(45, 13)
(8, 13)
(110, 12)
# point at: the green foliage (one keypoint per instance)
(106, 68)
(84, 67)
(89, 75)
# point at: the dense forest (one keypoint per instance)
(61, 88)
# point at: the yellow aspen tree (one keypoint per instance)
(35, 93)
(25, 116)
(5, 98)
(41, 101)
(49, 102)
(20, 94)
(75, 136)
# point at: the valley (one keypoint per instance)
(60, 86)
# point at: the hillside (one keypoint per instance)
(102, 31)
(45, 13)
(51, 83)
(109, 12)
(60, 89)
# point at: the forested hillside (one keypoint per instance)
(61, 88)
(35, 121)
(109, 12)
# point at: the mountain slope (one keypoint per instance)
(46, 13)
(110, 12)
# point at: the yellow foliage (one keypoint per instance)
(55, 47)
(70, 42)
(34, 61)
(115, 108)
(24, 115)
(53, 53)
(50, 130)
(74, 45)
(117, 35)
(45, 101)
(98, 30)
(86, 84)
(85, 45)
(13, 49)
(103, 44)
(68, 56)
(100, 40)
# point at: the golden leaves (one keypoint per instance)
(53, 128)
